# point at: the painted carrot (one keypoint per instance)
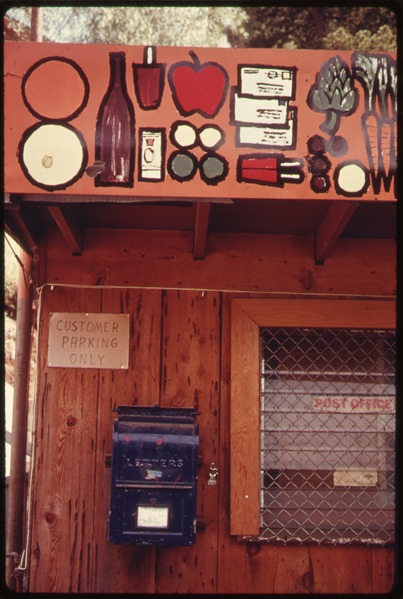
(387, 153)
(372, 128)
(380, 140)
(394, 145)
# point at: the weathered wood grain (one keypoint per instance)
(125, 568)
(180, 355)
(65, 442)
(347, 569)
(233, 262)
(383, 570)
(245, 423)
(344, 313)
(247, 317)
(190, 378)
(271, 568)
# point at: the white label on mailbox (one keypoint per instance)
(152, 517)
(83, 340)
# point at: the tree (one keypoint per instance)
(142, 25)
(343, 28)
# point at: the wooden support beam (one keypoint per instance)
(69, 228)
(331, 228)
(248, 262)
(201, 227)
(58, 198)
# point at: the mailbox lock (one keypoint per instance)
(212, 475)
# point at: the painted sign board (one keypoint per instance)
(83, 340)
(177, 122)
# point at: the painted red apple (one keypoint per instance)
(198, 87)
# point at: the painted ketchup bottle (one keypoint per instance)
(114, 136)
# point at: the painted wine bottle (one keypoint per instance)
(114, 137)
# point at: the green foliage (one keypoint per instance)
(340, 28)
(138, 25)
(16, 26)
(343, 28)
(341, 39)
(10, 276)
(275, 27)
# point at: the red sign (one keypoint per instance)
(354, 404)
(199, 122)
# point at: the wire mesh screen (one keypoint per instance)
(327, 435)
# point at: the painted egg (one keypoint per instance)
(184, 135)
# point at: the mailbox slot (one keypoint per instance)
(154, 476)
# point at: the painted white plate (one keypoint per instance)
(53, 155)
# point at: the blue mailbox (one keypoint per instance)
(154, 476)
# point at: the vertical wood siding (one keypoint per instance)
(180, 350)
(65, 461)
(190, 378)
(118, 568)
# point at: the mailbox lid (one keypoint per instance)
(155, 445)
(155, 414)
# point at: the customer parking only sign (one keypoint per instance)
(88, 340)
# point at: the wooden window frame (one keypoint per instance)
(247, 317)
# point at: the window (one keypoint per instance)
(312, 420)
(327, 424)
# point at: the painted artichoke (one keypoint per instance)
(333, 93)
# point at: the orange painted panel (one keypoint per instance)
(176, 122)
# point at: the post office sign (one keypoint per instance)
(84, 340)
(357, 404)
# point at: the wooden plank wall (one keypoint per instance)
(179, 356)
(234, 262)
